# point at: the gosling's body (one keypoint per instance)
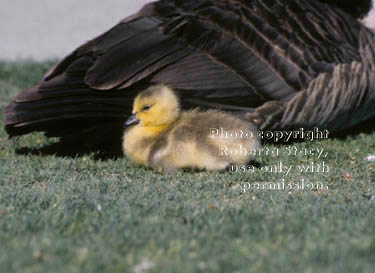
(184, 139)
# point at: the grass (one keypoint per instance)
(85, 215)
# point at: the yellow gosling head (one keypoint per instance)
(157, 106)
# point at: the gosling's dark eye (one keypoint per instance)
(145, 108)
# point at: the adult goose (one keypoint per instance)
(283, 64)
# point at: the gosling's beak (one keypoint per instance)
(132, 120)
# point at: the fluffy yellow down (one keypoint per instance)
(165, 138)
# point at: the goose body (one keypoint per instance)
(167, 139)
(280, 64)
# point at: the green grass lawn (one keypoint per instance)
(84, 215)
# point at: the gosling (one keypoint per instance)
(166, 139)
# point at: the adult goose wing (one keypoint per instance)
(232, 54)
(338, 100)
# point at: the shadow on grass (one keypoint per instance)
(72, 150)
(366, 127)
(103, 142)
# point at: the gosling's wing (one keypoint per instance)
(228, 54)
